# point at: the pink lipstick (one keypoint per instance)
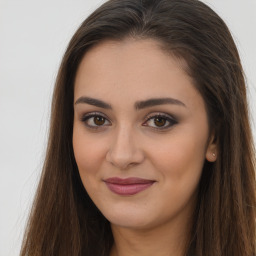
(128, 186)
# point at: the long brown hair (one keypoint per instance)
(64, 220)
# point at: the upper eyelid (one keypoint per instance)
(147, 117)
(90, 114)
(161, 115)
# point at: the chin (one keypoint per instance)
(132, 220)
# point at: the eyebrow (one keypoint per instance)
(138, 105)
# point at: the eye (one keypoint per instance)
(160, 121)
(95, 120)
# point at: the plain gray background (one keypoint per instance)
(33, 37)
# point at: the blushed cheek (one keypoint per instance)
(86, 152)
(86, 162)
(180, 158)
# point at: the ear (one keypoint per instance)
(211, 151)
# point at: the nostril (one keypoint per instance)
(123, 159)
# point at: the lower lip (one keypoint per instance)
(128, 189)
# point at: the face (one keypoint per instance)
(140, 134)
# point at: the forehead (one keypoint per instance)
(131, 70)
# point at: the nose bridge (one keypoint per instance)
(123, 134)
(124, 149)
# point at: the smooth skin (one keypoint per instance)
(167, 142)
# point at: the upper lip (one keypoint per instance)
(131, 180)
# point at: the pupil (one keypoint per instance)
(99, 120)
(160, 121)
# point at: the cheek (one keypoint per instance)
(180, 158)
(89, 153)
(179, 162)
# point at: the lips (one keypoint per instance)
(128, 186)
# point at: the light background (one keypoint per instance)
(33, 37)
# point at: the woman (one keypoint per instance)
(150, 150)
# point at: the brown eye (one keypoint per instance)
(99, 120)
(159, 121)
(94, 120)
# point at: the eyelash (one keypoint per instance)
(166, 117)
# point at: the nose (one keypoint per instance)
(124, 150)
